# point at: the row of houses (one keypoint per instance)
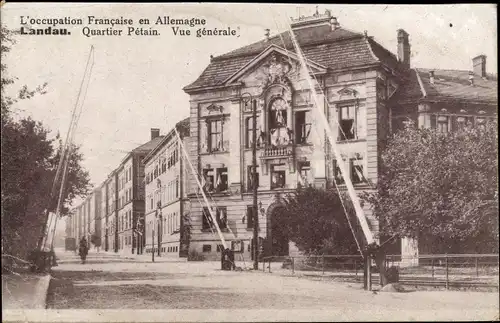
(365, 91)
(113, 215)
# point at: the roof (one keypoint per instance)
(149, 145)
(334, 49)
(144, 148)
(183, 129)
(449, 85)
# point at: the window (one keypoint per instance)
(207, 248)
(237, 246)
(278, 131)
(304, 173)
(339, 179)
(250, 177)
(215, 135)
(206, 219)
(208, 179)
(357, 170)
(302, 126)
(461, 122)
(220, 248)
(347, 122)
(220, 215)
(443, 124)
(250, 216)
(152, 204)
(163, 165)
(249, 127)
(278, 176)
(221, 180)
(481, 122)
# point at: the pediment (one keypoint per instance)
(276, 63)
(347, 92)
(215, 108)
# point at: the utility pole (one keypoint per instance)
(254, 187)
(159, 215)
(160, 222)
(153, 241)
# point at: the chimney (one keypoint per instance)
(267, 33)
(403, 48)
(334, 23)
(155, 132)
(479, 65)
(431, 77)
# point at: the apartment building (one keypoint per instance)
(166, 200)
(130, 196)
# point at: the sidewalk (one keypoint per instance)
(146, 257)
(25, 291)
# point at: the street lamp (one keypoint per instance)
(248, 98)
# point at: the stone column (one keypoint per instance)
(235, 144)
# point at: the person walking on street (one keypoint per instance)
(83, 249)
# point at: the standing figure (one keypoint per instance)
(83, 249)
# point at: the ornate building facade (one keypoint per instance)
(365, 92)
(352, 78)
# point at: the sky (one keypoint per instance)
(136, 81)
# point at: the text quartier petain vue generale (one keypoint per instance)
(99, 26)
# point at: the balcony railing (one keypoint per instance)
(276, 152)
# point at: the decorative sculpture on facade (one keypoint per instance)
(277, 71)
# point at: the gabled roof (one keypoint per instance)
(272, 48)
(448, 85)
(333, 49)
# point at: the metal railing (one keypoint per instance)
(448, 271)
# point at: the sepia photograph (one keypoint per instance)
(249, 162)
